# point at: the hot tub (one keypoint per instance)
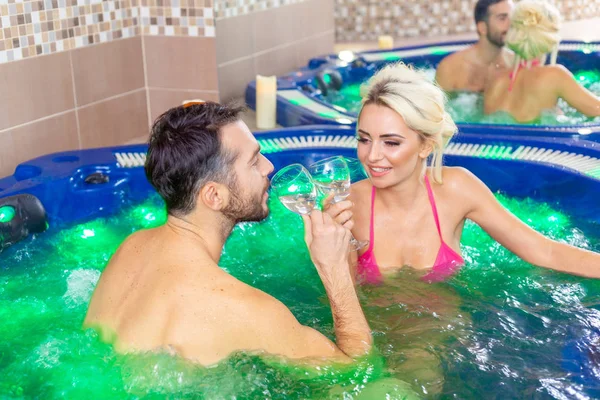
(499, 328)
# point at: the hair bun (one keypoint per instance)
(531, 18)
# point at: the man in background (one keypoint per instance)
(466, 70)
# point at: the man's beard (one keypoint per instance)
(244, 209)
(495, 39)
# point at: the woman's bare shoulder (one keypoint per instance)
(360, 190)
(461, 189)
(457, 181)
(553, 74)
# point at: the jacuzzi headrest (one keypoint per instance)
(329, 79)
(20, 215)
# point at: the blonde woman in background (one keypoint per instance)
(529, 86)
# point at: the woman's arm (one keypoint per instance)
(512, 233)
(576, 95)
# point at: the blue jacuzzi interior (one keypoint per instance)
(495, 159)
(79, 186)
(300, 97)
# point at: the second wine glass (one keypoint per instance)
(332, 177)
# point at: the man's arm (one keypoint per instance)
(328, 243)
(242, 318)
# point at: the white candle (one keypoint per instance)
(385, 42)
(266, 101)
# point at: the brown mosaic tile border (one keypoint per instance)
(367, 19)
(233, 8)
(30, 28)
(177, 17)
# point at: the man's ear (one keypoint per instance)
(214, 196)
(426, 148)
(482, 28)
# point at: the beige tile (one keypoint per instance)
(264, 30)
(29, 141)
(313, 47)
(8, 159)
(113, 122)
(108, 69)
(233, 79)
(274, 27)
(277, 62)
(234, 38)
(400, 42)
(584, 29)
(187, 63)
(319, 16)
(35, 88)
(161, 100)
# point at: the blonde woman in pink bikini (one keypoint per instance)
(413, 214)
(530, 86)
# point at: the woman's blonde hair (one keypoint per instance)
(419, 101)
(534, 31)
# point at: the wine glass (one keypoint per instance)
(295, 189)
(332, 177)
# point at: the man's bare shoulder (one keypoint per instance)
(446, 72)
(456, 59)
(227, 292)
(229, 316)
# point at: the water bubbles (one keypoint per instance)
(80, 285)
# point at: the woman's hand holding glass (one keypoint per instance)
(325, 239)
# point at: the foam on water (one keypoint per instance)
(80, 285)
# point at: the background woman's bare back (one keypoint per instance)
(534, 90)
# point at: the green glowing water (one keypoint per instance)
(468, 107)
(459, 337)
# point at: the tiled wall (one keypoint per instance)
(88, 97)
(272, 41)
(31, 28)
(112, 66)
(109, 68)
(365, 20)
(177, 17)
(233, 8)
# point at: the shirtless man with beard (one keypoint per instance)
(467, 69)
(163, 289)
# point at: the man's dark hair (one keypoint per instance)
(185, 152)
(482, 9)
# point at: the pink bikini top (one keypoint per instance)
(446, 263)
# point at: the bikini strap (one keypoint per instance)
(513, 78)
(513, 75)
(433, 207)
(371, 225)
